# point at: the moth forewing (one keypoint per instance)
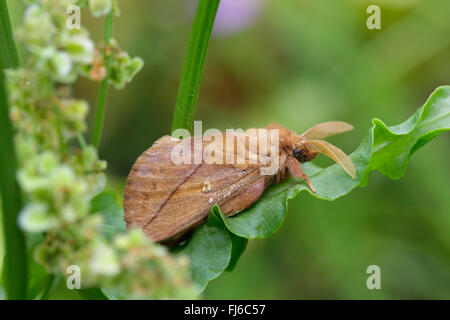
(167, 199)
(334, 153)
(326, 129)
(213, 152)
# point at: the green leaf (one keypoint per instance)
(106, 204)
(92, 294)
(263, 218)
(386, 149)
(209, 251)
(238, 246)
(112, 295)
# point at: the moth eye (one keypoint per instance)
(298, 154)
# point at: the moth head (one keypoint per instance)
(303, 153)
(310, 145)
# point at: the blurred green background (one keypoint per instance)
(301, 62)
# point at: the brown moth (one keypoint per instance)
(167, 200)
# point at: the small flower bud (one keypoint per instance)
(36, 218)
(81, 49)
(61, 64)
(104, 262)
(62, 178)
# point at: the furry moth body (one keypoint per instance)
(167, 200)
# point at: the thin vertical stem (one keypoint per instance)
(16, 258)
(194, 63)
(81, 141)
(103, 91)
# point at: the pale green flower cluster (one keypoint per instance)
(62, 53)
(57, 50)
(59, 176)
(123, 67)
(135, 253)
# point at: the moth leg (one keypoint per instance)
(297, 172)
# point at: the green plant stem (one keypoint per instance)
(103, 91)
(16, 271)
(62, 143)
(81, 141)
(193, 66)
